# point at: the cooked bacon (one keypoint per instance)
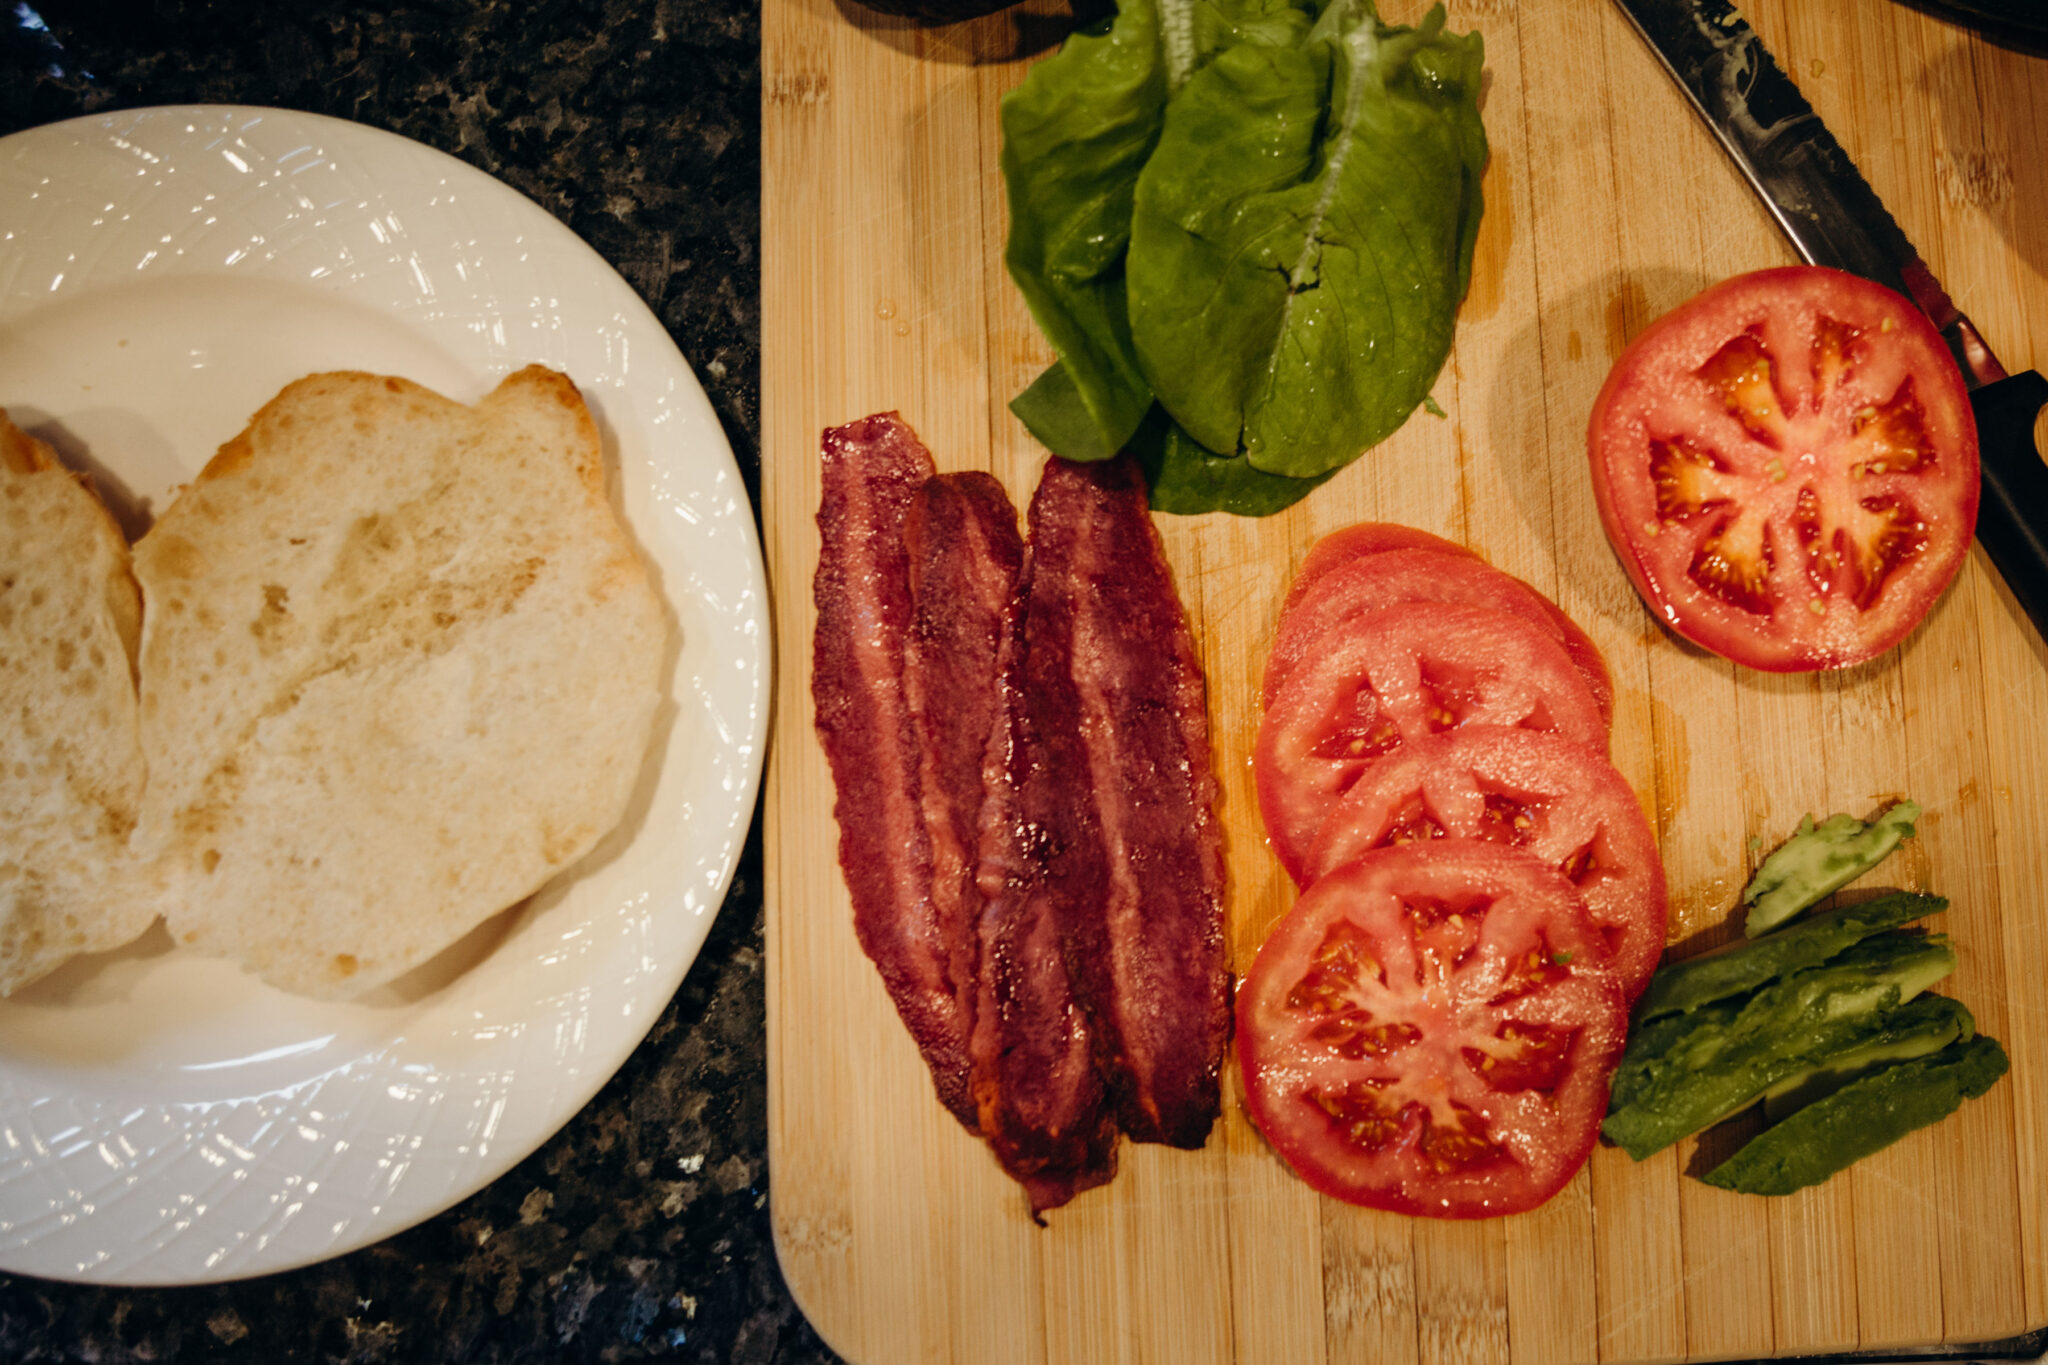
(1020, 756)
(872, 471)
(1125, 798)
(964, 555)
(1041, 1099)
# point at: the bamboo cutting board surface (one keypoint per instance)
(1607, 204)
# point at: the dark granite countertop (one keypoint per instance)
(640, 1231)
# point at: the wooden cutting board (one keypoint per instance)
(1607, 203)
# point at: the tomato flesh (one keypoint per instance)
(1341, 547)
(1395, 676)
(1538, 792)
(1787, 467)
(1431, 1030)
(1366, 583)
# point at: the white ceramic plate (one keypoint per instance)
(163, 1117)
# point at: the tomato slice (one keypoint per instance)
(1787, 467)
(1431, 1030)
(1541, 793)
(1396, 676)
(1363, 538)
(1370, 582)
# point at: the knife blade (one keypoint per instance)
(1834, 218)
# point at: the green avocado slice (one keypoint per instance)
(1862, 1117)
(1742, 967)
(1788, 1028)
(1820, 859)
(1925, 1024)
(1649, 1044)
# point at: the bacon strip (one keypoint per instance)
(1043, 1106)
(872, 471)
(1127, 810)
(964, 556)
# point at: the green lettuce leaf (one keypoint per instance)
(1302, 233)
(1054, 411)
(1215, 25)
(1075, 135)
(1187, 480)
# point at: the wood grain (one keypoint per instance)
(883, 223)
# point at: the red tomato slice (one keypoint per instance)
(1787, 467)
(1368, 583)
(1354, 542)
(1564, 804)
(1393, 677)
(1431, 1030)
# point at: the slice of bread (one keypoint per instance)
(71, 772)
(399, 668)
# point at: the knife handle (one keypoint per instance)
(2012, 514)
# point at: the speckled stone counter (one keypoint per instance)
(640, 1231)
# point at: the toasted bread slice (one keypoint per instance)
(71, 773)
(399, 668)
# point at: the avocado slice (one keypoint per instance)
(1651, 1043)
(1820, 859)
(1744, 966)
(1724, 1064)
(1862, 1117)
(1925, 1024)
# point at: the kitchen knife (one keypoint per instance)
(1834, 218)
